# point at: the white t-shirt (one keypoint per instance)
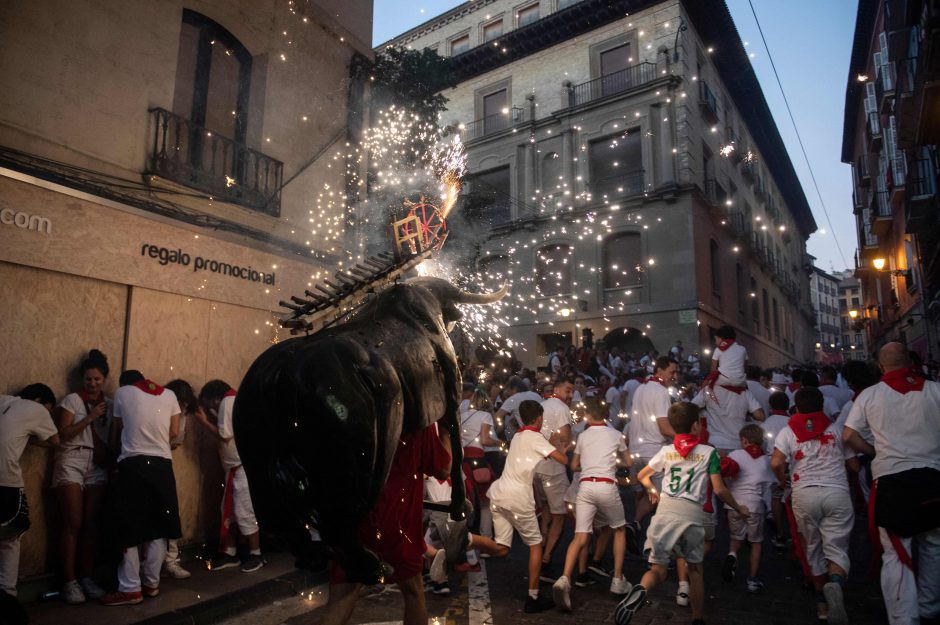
(146, 417)
(555, 364)
(513, 490)
(464, 406)
(629, 388)
(471, 422)
(761, 394)
(599, 447)
(612, 397)
(20, 419)
(749, 484)
(651, 401)
(511, 406)
(727, 416)
(76, 405)
(556, 415)
(819, 461)
(731, 364)
(837, 394)
(686, 478)
(437, 491)
(773, 425)
(228, 453)
(905, 427)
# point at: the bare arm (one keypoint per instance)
(854, 440)
(561, 439)
(722, 492)
(500, 420)
(644, 477)
(486, 438)
(174, 426)
(778, 464)
(52, 441)
(759, 415)
(210, 427)
(626, 459)
(665, 428)
(557, 456)
(68, 428)
(576, 463)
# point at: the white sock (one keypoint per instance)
(472, 559)
(684, 586)
(255, 552)
(230, 551)
(534, 593)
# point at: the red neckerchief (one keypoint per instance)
(809, 426)
(685, 443)
(88, 399)
(737, 390)
(725, 344)
(151, 388)
(904, 380)
(782, 413)
(754, 451)
(529, 428)
(728, 467)
(653, 378)
(794, 386)
(230, 393)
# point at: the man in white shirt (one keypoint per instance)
(650, 429)
(551, 479)
(902, 415)
(829, 388)
(729, 358)
(23, 418)
(556, 362)
(507, 417)
(628, 391)
(727, 411)
(146, 509)
(758, 390)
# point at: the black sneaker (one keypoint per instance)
(583, 580)
(633, 539)
(222, 561)
(252, 563)
(730, 568)
(547, 574)
(533, 606)
(629, 606)
(441, 589)
(598, 569)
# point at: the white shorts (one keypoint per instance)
(677, 529)
(552, 488)
(243, 512)
(598, 505)
(74, 465)
(824, 516)
(751, 529)
(505, 520)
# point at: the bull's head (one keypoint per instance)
(449, 296)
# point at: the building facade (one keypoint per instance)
(824, 294)
(625, 174)
(157, 169)
(891, 134)
(851, 316)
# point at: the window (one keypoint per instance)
(776, 320)
(623, 265)
(213, 79)
(459, 45)
(613, 65)
(856, 303)
(488, 197)
(858, 340)
(492, 31)
(616, 165)
(766, 301)
(741, 289)
(551, 174)
(495, 111)
(715, 267)
(553, 270)
(755, 305)
(527, 15)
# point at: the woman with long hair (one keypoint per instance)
(477, 433)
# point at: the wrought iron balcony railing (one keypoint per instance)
(708, 102)
(622, 185)
(612, 84)
(193, 156)
(494, 123)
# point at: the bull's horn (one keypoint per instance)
(448, 292)
(464, 297)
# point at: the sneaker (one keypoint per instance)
(583, 580)
(633, 538)
(730, 568)
(754, 585)
(682, 596)
(598, 569)
(439, 567)
(252, 563)
(547, 574)
(122, 598)
(91, 589)
(442, 589)
(466, 567)
(149, 591)
(780, 543)
(620, 586)
(629, 606)
(822, 612)
(835, 603)
(532, 606)
(561, 592)
(222, 561)
(174, 570)
(72, 593)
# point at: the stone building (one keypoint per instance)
(890, 138)
(625, 168)
(851, 316)
(158, 178)
(824, 294)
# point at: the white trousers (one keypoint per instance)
(907, 597)
(9, 564)
(172, 550)
(131, 573)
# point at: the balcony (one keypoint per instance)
(921, 191)
(862, 170)
(749, 171)
(740, 226)
(896, 176)
(195, 157)
(884, 87)
(493, 124)
(612, 84)
(708, 103)
(622, 185)
(904, 101)
(874, 132)
(880, 213)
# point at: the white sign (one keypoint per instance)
(25, 221)
(687, 316)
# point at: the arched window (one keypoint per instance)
(553, 270)
(623, 265)
(213, 77)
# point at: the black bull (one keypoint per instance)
(317, 419)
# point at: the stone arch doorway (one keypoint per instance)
(628, 340)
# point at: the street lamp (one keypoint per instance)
(879, 265)
(853, 314)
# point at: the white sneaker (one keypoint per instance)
(561, 593)
(91, 588)
(682, 597)
(174, 570)
(620, 585)
(833, 593)
(439, 567)
(72, 593)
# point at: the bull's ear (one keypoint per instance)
(451, 314)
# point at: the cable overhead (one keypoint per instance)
(797, 131)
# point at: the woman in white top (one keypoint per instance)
(477, 435)
(83, 422)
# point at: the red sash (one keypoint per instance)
(685, 443)
(230, 393)
(904, 380)
(228, 507)
(605, 480)
(151, 388)
(875, 538)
